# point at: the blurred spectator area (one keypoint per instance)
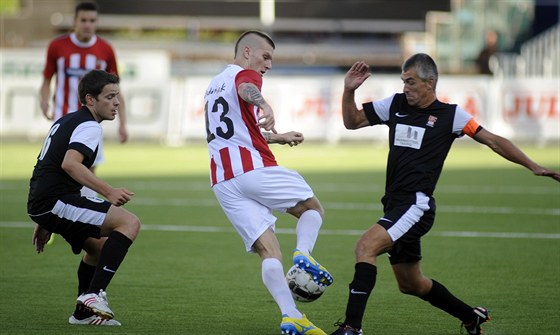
(317, 35)
(322, 33)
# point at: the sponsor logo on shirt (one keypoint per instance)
(431, 121)
(408, 136)
(76, 72)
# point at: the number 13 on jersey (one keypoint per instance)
(225, 128)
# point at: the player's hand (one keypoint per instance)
(45, 109)
(40, 238)
(357, 74)
(547, 173)
(292, 138)
(119, 196)
(266, 119)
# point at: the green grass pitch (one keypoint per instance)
(495, 243)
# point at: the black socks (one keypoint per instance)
(363, 283)
(360, 288)
(111, 257)
(441, 298)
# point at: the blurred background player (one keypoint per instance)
(421, 132)
(102, 228)
(248, 182)
(483, 59)
(70, 57)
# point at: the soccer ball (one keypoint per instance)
(302, 285)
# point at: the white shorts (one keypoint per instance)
(248, 199)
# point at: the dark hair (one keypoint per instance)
(93, 83)
(425, 66)
(86, 6)
(254, 32)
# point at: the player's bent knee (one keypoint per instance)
(132, 225)
(412, 290)
(407, 290)
(320, 210)
(412, 284)
(306, 205)
(370, 246)
(314, 204)
(123, 221)
(365, 250)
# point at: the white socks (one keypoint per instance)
(307, 230)
(274, 279)
(273, 275)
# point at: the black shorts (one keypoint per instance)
(74, 217)
(407, 218)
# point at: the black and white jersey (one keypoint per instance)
(419, 140)
(78, 131)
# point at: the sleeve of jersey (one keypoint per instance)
(377, 112)
(464, 123)
(112, 62)
(50, 64)
(85, 138)
(248, 76)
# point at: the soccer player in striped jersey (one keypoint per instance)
(70, 57)
(102, 228)
(421, 132)
(247, 180)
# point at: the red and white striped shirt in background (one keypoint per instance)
(71, 59)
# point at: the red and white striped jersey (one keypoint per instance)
(235, 142)
(71, 59)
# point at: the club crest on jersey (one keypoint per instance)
(431, 121)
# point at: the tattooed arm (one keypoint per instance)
(251, 94)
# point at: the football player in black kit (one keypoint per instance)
(102, 228)
(421, 132)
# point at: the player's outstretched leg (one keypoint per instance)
(97, 303)
(307, 263)
(303, 326)
(480, 316)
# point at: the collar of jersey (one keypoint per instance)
(87, 44)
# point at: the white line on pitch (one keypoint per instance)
(332, 188)
(336, 232)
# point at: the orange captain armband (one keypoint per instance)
(471, 128)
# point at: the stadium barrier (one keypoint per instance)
(170, 109)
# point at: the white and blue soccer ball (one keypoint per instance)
(302, 285)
